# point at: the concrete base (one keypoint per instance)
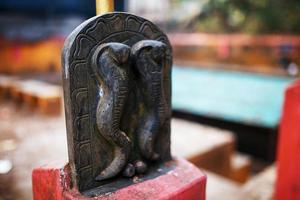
(183, 182)
(288, 162)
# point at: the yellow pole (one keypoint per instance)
(104, 6)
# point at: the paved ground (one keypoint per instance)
(39, 140)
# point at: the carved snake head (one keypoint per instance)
(149, 56)
(109, 60)
(158, 52)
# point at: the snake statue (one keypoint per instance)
(110, 65)
(149, 58)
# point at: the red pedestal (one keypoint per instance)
(184, 182)
(288, 159)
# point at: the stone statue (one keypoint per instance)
(117, 92)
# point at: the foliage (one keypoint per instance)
(250, 16)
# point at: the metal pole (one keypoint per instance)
(104, 6)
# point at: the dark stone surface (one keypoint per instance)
(117, 93)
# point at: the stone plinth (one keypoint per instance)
(182, 181)
(288, 159)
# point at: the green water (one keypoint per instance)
(235, 96)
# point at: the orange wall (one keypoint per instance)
(21, 57)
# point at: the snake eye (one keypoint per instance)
(158, 53)
(125, 55)
(122, 55)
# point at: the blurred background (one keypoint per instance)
(232, 62)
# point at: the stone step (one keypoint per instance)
(206, 147)
(36, 95)
(6, 83)
(44, 97)
(210, 148)
(240, 167)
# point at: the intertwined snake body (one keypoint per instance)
(112, 70)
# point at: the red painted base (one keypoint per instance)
(184, 182)
(288, 159)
